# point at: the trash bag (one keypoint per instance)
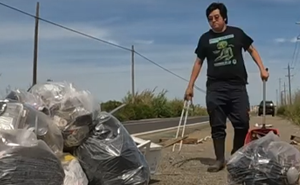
(28, 98)
(16, 115)
(24, 160)
(74, 174)
(266, 161)
(72, 110)
(109, 156)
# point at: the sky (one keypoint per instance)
(165, 32)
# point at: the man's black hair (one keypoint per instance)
(222, 8)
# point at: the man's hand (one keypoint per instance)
(189, 93)
(264, 74)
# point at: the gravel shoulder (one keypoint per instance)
(189, 166)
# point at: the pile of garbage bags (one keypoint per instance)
(265, 161)
(26, 160)
(56, 134)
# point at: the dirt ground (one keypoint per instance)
(189, 166)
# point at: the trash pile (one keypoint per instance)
(56, 134)
(265, 161)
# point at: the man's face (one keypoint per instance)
(216, 21)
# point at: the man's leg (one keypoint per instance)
(239, 116)
(216, 107)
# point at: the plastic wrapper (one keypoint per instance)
(73, 110)
(109, 156)
(28, 98)
(15, 115)
(266, 161)
(74, 174)
(24, 160)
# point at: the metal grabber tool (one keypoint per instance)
(183, 118)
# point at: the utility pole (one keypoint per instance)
(289, 83)
(284, 93)
(280, 98)
(276, 97)
(35, 50)
(132, 73)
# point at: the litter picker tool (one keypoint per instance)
(183, 118)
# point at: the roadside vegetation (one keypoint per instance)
(149, 104)
(291, 112)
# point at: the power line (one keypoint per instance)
(295, 53)
(167, 70)
(66, 28)
(98, 39)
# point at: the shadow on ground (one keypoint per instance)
(203, 160)
(153, 181)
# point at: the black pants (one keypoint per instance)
(231, 103)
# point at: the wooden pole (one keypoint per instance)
(35, 50)
(132, 73)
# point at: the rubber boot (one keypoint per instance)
(219, 146)
(238, 140)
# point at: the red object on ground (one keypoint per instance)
(257, 133)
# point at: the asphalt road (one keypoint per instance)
(157, 124)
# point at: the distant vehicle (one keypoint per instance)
(270, 108)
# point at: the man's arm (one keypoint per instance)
(195, 72)
(201, 55)
(255, 56)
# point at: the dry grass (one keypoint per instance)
(292, 112)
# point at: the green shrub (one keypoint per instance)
(148, 104)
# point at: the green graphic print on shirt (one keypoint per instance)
(224, 52)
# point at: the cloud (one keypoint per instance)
(295, 39)
(146, 42)
(281, 1)
(280, 40)
(23, 31)
(286, 40)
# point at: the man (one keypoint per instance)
(226, 95)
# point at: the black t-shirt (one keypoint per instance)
(223, 52)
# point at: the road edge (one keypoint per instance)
(168, 129)
(155, 120)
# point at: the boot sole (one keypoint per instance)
(215, 170)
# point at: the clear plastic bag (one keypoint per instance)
(109, 156)
(74, 174)
(15, 115)
(24, 160)
(73, 110)
(267, 161)
(28, 98)
(52, 93)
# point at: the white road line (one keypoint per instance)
(157, 121)
(167, 129)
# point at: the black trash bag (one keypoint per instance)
(24, 160)
(109, 156)
(266, 161)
